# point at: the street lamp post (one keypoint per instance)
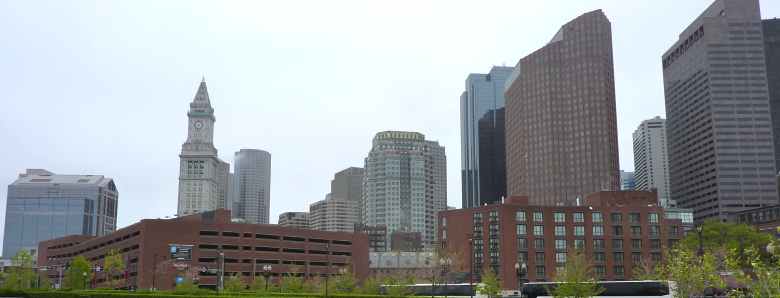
(471, 266)
(520, 270)
(699, 230)
(266, 273)
(221, 276)
(154, 272)
(327, 273)
(445, 264)
(84, 274)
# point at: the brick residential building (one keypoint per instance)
(146, 248)
(616, 230)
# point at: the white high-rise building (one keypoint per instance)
(405, 184)
(202, 175)
(651, 164)
(252, 186)
(334, 214)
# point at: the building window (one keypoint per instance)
(559, 217)
(579, 217)
(522, 243)
(636, 258)
(636, 231)
(656, 257)
(599, 271)
(539, 244)
(579, 243)
(596, 216)
(521, 230)
(617, 244)
(539, 258)
(560, 231)
(579, 231)
(617, 230)
(520, 216)
(598, 244)
(636, 244)
(538, 230)
(655, 231)
(538, 216)
(673, 230)
(655, 244)
(618, 257)
(560, 258)
(560, 244)
(598, 230)
(616, 218)
(539, 271)
(522, 257)
(599, 257)
(653, 217)
(633, 218)
(619, 270)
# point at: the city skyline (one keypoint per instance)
(157, 107)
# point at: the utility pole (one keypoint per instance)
(154, 272)
(221, 281)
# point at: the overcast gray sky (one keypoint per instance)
(102, 87)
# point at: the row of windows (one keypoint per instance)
(274, 237)
(598, 230)
(597, 244)
(579, 217)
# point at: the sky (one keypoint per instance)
(103, 87)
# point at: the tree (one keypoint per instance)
(234, 284)
(648, 270)
(489, 285)
(292, 284)
(112, 265)
(397, 286)
(78, 274)
(719, 238)
(259, 286)
(760, 279)
(20, 275)
(344, 283)
(692, 274)
(576, 280)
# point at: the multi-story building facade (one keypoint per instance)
(482, 133)
(334, 214)
(42, 205)
(252, 185)
(719, 127)
(771, 31)
(651, 163)
(158, 252)
(765, 219)
(295, 220)
(202, 175)
(627, 181)
(561, 130)
(616, 230)
(405, 184)
(377, 237)
(347, 185)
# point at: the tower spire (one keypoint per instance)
(203, 94)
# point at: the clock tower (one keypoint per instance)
(202, 175)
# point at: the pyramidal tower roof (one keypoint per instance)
(203, 93)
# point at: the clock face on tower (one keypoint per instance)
(198, 124)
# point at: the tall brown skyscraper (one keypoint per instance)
(561, 132)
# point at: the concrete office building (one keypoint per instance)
(334, 214)
(405, 184)
(719, 128)
(627, 181)
(203, 176)
(651, 163)
(561, 130)
(42, 205)
(771, 30)
(615, 230)
(483, 158)
(252, 185)
(347, 184)
(295, 220)
(146, 247)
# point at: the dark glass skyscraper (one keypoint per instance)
(483, 158)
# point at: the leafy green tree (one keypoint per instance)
(577, 278)
(258, 286)
(234, 283)
(113, 265)
(760, 279)
(78, 274)
(692, 274)
(489, 285)
(369, 286)
(20, 276)
(648, 270)
(719, 238)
